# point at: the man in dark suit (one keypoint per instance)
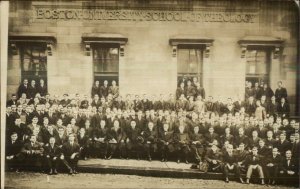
(33, 153)
(214, 158)
(96, 89)
(250, 106)
(280, 92)
(100, 140)
(241, 154)
(13, 149)
(282, 144)
(32, 90)
(180, 90)
(197, 144)
(230, 164)
(52, 154)
(96, 101)
(134, 141)
(65, 101)
(241, 138)
(42, 88)
(166, 142)
(116, 141)
(254, 162)
(211, 136)
(182, 141)
(70, 154)
(104, 89)
(23, 88)
(12, 101)
(272, 163)
(151, 138)
(283, 108)
(289, 170)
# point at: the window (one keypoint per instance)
(33, 61)
(106, 62)
(257, 65)
(190, 62)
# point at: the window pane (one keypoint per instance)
(183, 61)
(261, 62)
(256, 62)
(189, 61)
(34, 58)
(106, 59)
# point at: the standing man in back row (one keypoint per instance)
(280, 92)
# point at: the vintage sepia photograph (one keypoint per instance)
(150, 94)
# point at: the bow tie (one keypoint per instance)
(288, 158)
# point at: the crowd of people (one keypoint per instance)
(245, 135)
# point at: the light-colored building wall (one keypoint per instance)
(148, 66)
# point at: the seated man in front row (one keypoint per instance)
(289, 169)
(214, 159)
(33, 154)
(13, 149)
(70, 154)
(52, 154)
(230, 164)
(254, 162)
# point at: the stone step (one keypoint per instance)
(145, 168)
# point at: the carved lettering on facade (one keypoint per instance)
(137, 15)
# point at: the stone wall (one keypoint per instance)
(148, 66)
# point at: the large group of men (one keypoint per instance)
(246, 135)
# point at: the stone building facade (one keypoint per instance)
(147, 45)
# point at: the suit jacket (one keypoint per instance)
(151, 136)
(95, 121)
(275, 160)
(210, 155)
(83, 140)
(100, 133)
(68, 150)
(42, 90)
(210, 137)
(32, 91)
(104, 91)
(242, 139)
(166, 136)
(11, 102)
(23, 89)
(117, 135)
(190, 91)
(52, 152)
(179, 92)
(238, 105)
(13, 148)
(254, 160)
(270, 143)
(230, 159)
(241, 155)
(292, 166)
(95, 90)
(283, 109)
(225, 138)
(96, 104)
(133, 134)
(283, 146)
(268, 92)
(250, 108)
(280, 93)
(35, 148)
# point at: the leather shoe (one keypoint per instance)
(55, 171)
